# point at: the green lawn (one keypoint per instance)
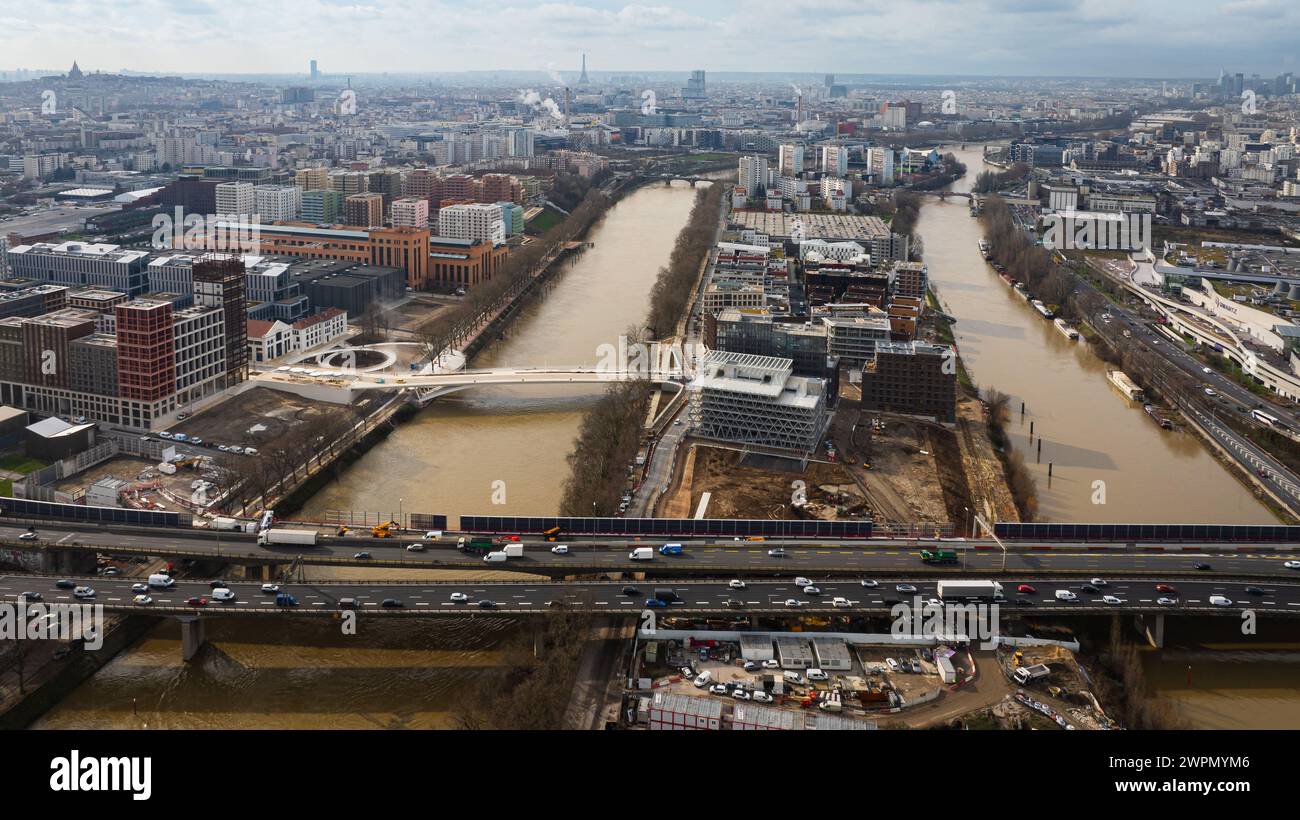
(20, 464)
(6, 488)
(546, 220)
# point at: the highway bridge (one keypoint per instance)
(190, 600)
(65, 548)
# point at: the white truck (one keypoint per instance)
(641, 554)
(507, 551)
(222, 523)
(1024, 674)
(272, 536)
(965, 590)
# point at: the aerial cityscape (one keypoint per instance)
(597, 377)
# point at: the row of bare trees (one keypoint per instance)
(1024, 261)
(671, 294)
(988, 182)
(288, 459)
(1021, 483)
(606, 444)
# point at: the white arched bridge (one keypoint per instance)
(322, 381)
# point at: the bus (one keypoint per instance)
(1264, 418)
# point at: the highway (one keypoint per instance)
(698, 557)
(428, 598)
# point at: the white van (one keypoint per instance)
(499, 555)
(817, 674)
(161, 581)
(793, 677)
(641, 554)
(705, 678)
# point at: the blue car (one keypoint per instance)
(655, 603)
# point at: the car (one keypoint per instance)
(64, 583)
(218, 583)
(391, 603)
(771, 663)
(704, 679)
(1023, 602)
(1201, 565)
(223, 448)
(631, 590)
(28, 536)
(750, 666)
(840, 602)
(139, 588)
(164, 435)
(459, 597)
(30, 596)
(1066, 595)
(740, 694)
(361, 556)
(1098, 582)
(182, 416)
(110, 571)
(1206, 370)
(869, 584)
(1170, 588)
(802, 582)
(1167, 601)
(655, 603)
(559, 549)
(486, 604)
(732, 603)
(558, 604)
(271, 588)
(196, 440)
(776, 552)
(762, 697)
(892, 664)
(234, 448)
(1292, 564)
(1110, 599)
(197, 600)
(1090, 589)
(416, 547)
(431, 535)
(142, 600)
(1026, 589)
(906, 589)
(223, 594)
(793, 603)
(1254, 591)
(1219, 600)
(811, 590)
(736, 583)
(83, 592)
(718, 689)
(1209, 391)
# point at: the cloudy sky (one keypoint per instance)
(1151, 38)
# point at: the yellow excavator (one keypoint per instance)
(388, 529)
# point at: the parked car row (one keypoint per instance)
(195, 441)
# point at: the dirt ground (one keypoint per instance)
(256, 417)
(739, 491)
(415, 314)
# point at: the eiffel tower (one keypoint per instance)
(583, 79)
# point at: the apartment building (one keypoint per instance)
(275, 203)
(473, 221)
(322, 207)
(411, 212)
(364, 210)
(916, 378)
(236, 199)
(854, 340)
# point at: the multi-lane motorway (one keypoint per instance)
(699, 557)
(757, 596)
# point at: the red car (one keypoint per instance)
(1026, 589)
(1166, 588)
(511, 537)
(197, 601)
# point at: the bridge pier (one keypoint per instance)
(1152, 627)
(193, 636)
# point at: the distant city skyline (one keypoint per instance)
(1060, 38)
